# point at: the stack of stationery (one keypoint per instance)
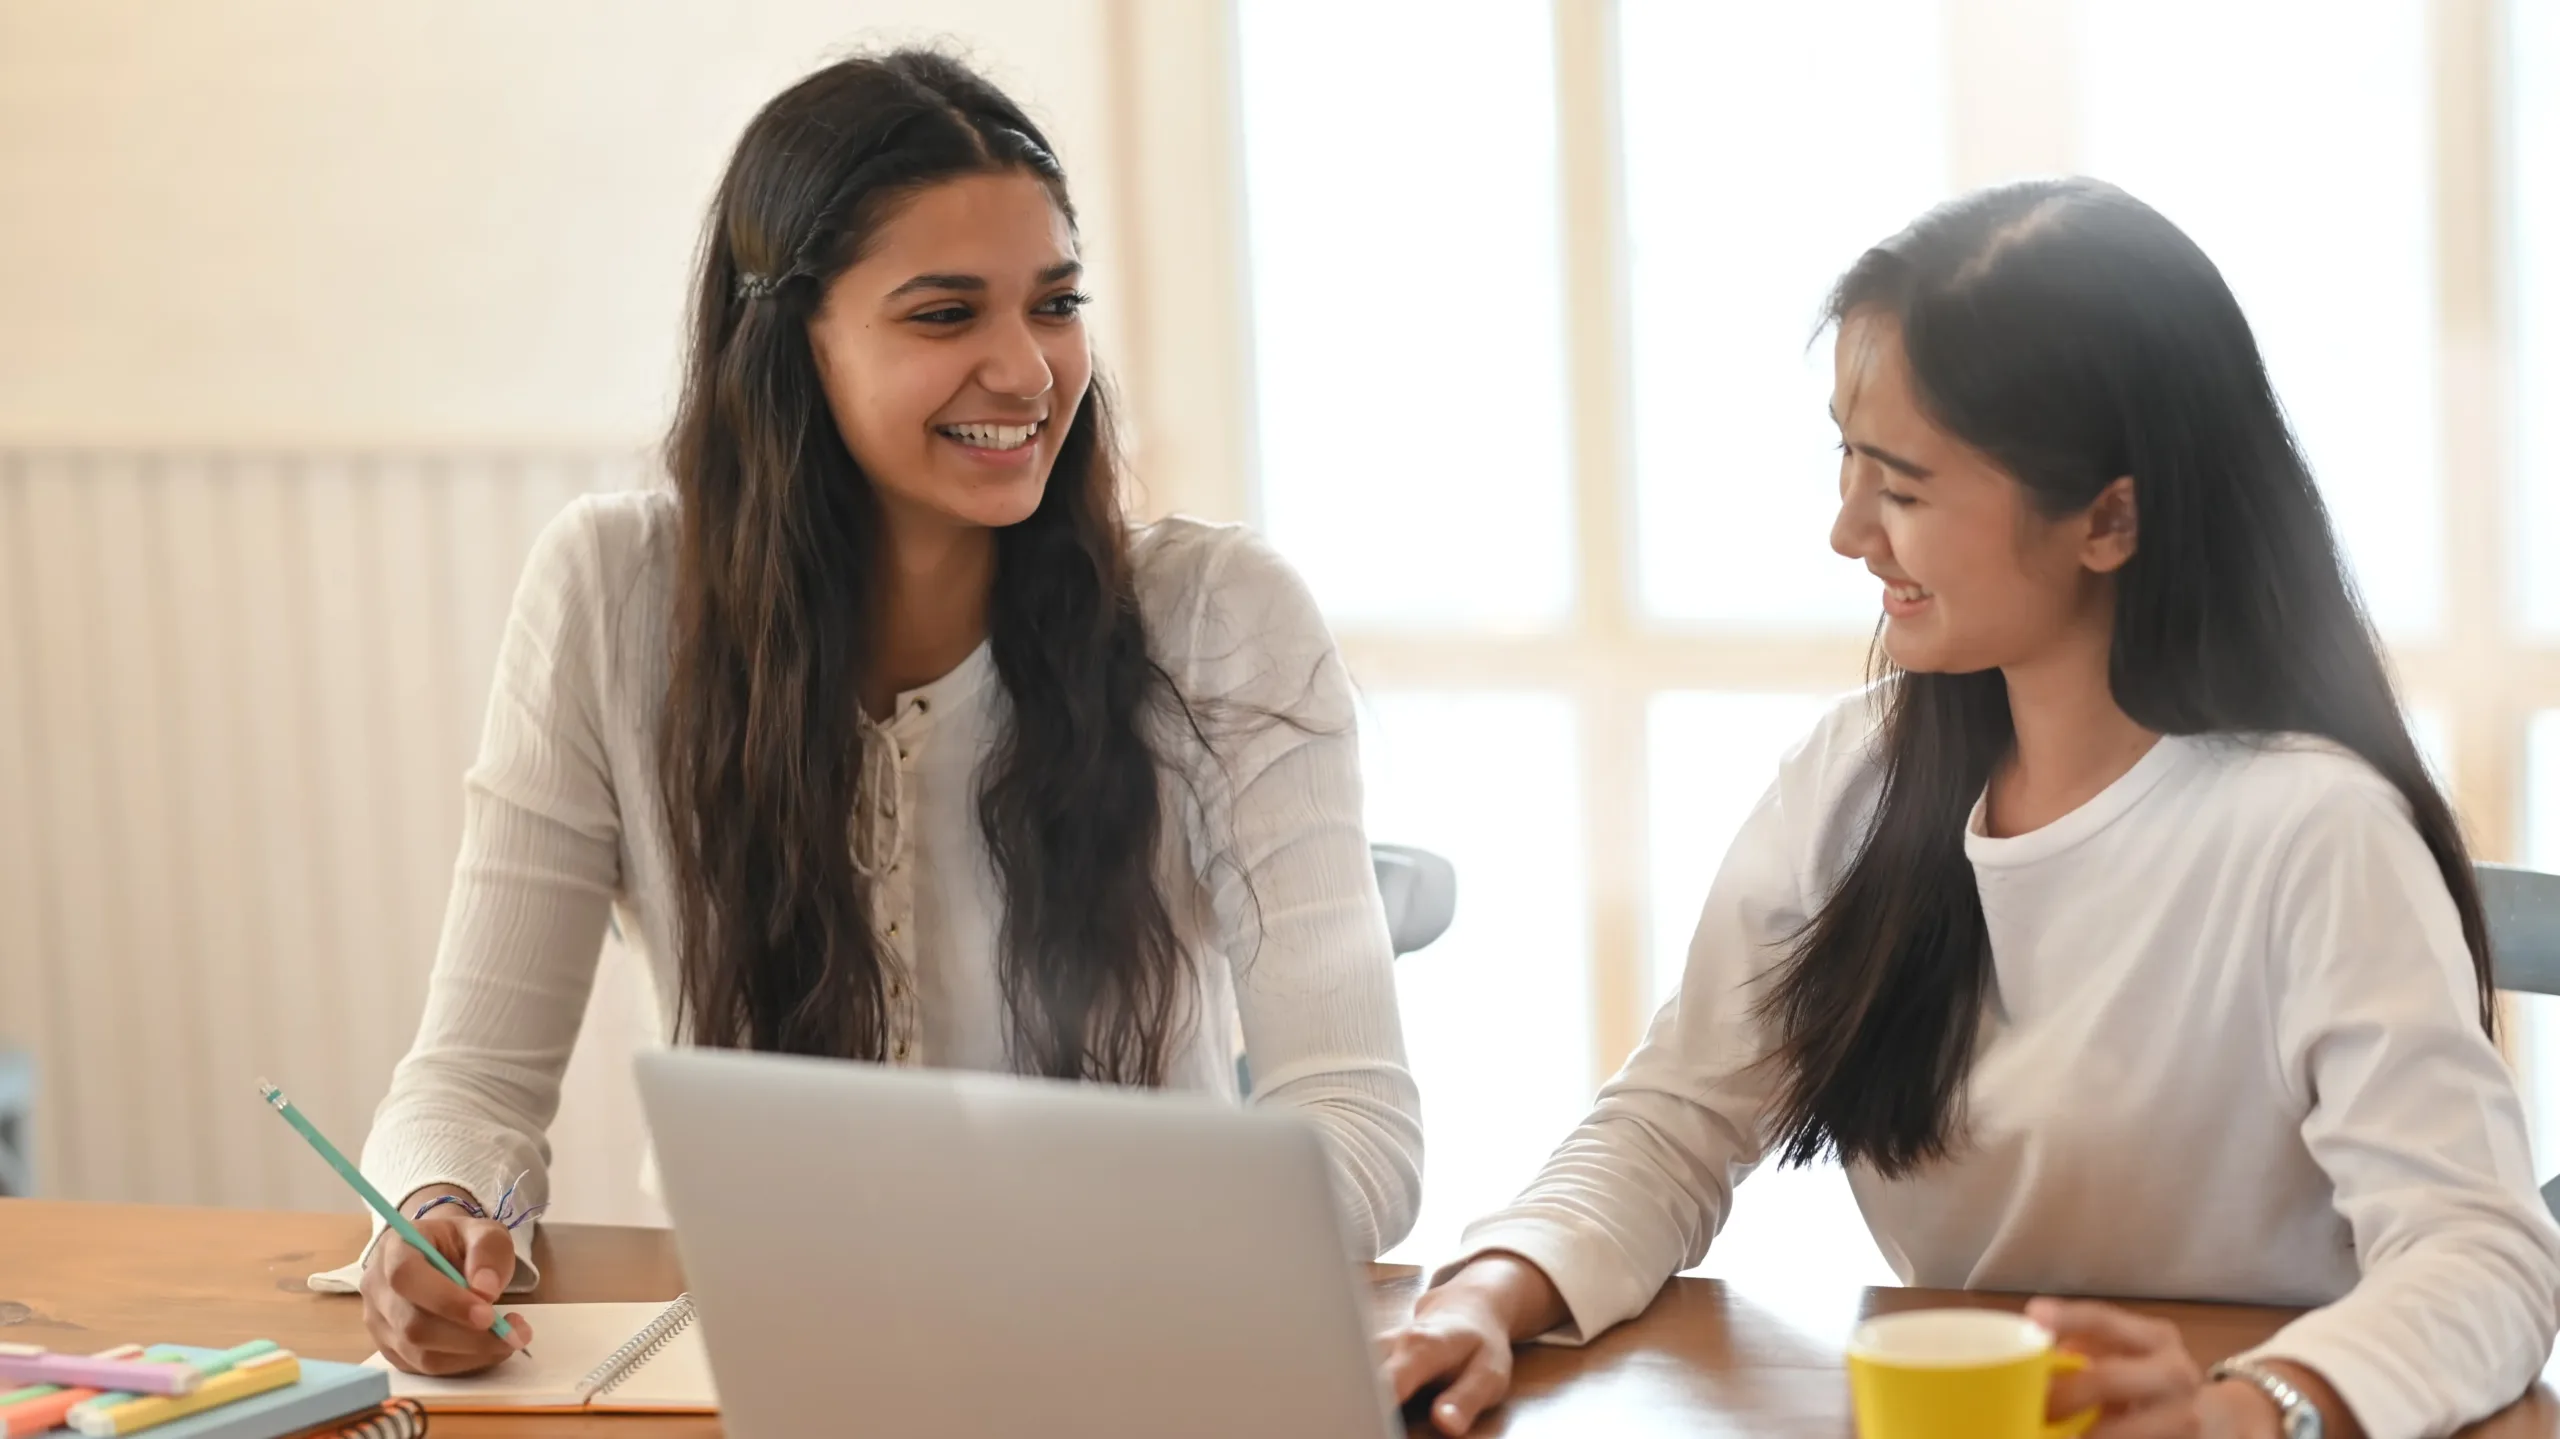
(254, 1391)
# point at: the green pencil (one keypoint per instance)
(390, 1212)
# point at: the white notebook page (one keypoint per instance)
(569, 1341)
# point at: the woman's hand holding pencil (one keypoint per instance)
(428, 1317)
(419, 1319)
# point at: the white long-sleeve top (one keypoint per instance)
(1267, 869)
(2235, 1054)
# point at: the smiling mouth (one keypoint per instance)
(993, 437)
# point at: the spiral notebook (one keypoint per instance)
(618, 1358)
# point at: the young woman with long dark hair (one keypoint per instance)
(886, 733)
(2117, 940)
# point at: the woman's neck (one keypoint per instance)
(2073, 740)
(935, 583)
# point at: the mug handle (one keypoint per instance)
(2068, 1361)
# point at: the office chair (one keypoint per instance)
(2523, 910)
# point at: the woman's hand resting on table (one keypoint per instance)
(425, 1323)
(1461, 1334)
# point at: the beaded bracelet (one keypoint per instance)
(507, 1214)
(465, 1205)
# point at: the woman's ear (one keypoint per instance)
(2114, 528)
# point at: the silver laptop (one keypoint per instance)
(877, 1251)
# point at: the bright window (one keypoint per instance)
(1497, 1012)
(1756, 171)
(1709, 758)
(2533, 270)
(2297, 152)
(1629, 609)
(1407, 310)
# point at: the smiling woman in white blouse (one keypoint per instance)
(2117, 939)
(883, 731)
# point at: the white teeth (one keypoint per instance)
(1908, 593)
(992, 437)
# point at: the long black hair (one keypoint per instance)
(776, 606)
(2073, 335)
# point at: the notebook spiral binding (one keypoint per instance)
(644, 1346)
(396, 1419)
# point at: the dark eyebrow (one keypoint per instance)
(969, 283)
(1886, 458)
(973, 284)
(1892, 461)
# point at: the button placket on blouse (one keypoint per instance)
(898, 887)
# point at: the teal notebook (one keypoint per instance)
(327, 1391)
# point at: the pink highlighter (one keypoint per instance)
(44, 1407)
(26, 1364)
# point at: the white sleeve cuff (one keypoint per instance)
(1600, 1289)
(347, 1278)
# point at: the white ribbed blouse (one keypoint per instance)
(1269, 871)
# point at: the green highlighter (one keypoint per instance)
(390, 1212)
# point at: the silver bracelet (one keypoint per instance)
(2299, 1416)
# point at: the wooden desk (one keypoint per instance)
(85, 1276)
(1705, 1360)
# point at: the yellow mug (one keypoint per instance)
(1957, 1374)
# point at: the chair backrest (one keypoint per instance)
(17, 1121)
(2523, 910)
(2522, 907)
(1421, 892)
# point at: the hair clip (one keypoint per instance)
(752, 286)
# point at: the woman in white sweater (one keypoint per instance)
(2117, 939)
(885, 734)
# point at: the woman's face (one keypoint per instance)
(953, 354)
(1975, 576)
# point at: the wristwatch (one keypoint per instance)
(2300, 1417)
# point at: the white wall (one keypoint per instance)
(309, 312)
(240, 691)
(298, 221)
